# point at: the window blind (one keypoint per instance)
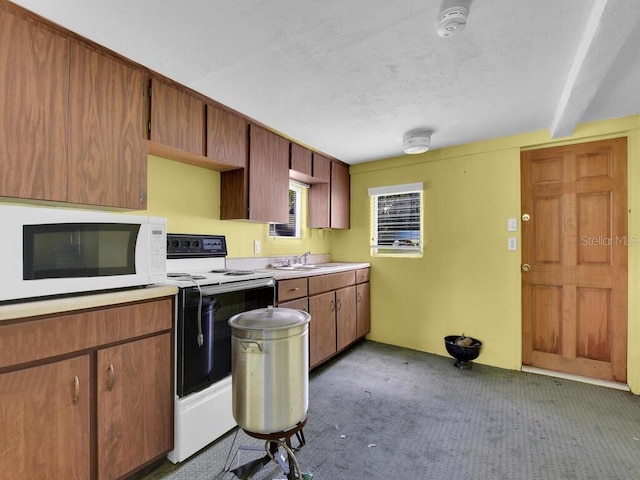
(396, 219)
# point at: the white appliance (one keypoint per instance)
(209, 294)
(53, 251)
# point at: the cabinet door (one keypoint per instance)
(299, 304)
(322, 329)
(346, 317)
(319, 193)
(301, 159)
(33, 110)
(226, 137)
(107, 161)
(45, 422)
(339, 195)
(135, 405)
(363, 309)
(268, 176)
(177, 118)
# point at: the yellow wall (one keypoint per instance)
(189, 197)
(467, 281)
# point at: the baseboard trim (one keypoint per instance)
(576, 378)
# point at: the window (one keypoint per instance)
(291, 229)
(396, 220)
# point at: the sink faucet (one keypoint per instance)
(301, 259)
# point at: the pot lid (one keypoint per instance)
(269, 318)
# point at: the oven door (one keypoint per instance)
(200, 365)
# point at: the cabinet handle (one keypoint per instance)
(294, 289)
(359, 297)
(339, 304)
(76, 390)
(333, 305)
(112, 377)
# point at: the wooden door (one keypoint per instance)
(574, 298)
(322, 329)
(33, 110)
(346, 327)
(177, 118)
(135, 405)
(227, 136)
(268, 176)
(45, 422)
(363, 309)
(339, 195)
(107, 163)
(320, 193)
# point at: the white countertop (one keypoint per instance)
(67, 304)
(318, 269)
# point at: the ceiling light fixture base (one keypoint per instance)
(417, 141)
(451, 21)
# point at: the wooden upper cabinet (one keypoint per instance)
(321, 168)
(227, 136)
(301, 160)
(107, 157)
(268, 176)
(339, 195)
(177, 118)
(34, 75)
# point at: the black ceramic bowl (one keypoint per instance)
(463, 355)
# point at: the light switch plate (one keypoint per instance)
(512, 225)
(512, 244)
(256, 247)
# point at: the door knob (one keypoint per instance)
(526, 267)
(526, 217)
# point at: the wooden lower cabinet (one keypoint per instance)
(45, 421)
(363, 309)
(322, 329)
(134, 405)
(101, 414)
(346, 329)
(299, 304)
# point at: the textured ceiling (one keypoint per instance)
(350, 77)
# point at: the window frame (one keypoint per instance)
(297, 216)
(396, 250)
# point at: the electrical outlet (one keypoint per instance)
(512, 225)
(256, 247)
(512, 244)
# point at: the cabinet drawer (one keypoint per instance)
(362, 275)
(48, 337)
(290, 289)
(299, 304)
(333, 281)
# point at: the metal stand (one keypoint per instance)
(272, 443)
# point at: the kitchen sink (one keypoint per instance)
(298, 267)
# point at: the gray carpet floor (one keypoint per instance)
(383, 412)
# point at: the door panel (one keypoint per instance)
(575, 295)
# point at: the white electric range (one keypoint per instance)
(209, 294)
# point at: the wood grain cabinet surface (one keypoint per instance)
(107, 162)
(301, 160)
(33, 110)
(177, 118)
(58, 415)
(329, 202)
(259, 192)
(227, 137)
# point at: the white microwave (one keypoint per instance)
(52, 251)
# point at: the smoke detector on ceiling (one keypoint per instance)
(452, 20)
(417, 141)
